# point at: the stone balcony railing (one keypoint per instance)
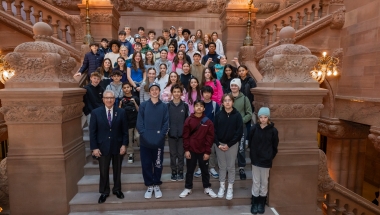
(335, 199)
(67, 28)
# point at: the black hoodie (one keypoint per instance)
(263, 143)
(228, 127)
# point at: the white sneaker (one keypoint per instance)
(222, 189)
(157, 192)
(184, 193)
(230, 192)
(209, 192)
(214, 173)
(198, 173)
(148, 193)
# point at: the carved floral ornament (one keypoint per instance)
(37, 112)
(338, 19)
(325, 182)
(4, 189)
(342, 129)
(291, 110)
(374, 136)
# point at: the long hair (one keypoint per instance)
(172, 43)
(140, 64)
(176, 59)
(170, 82)
(159, 73)
(102, 70)
(203, 51)
(246, 68)
(124, 70)
(209, 38)
(224, 77)
(203, 76)
(190, 90)
(147, 82)
(201, 37)
(146, 59)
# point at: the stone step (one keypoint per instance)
(90, 183)
(220, 210)
(134, 200)
(92, 168)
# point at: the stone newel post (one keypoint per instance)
(295, 101)
(42, 106)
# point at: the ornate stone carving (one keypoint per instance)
(37, 112)
(69, 4)
(215, 6)
(336, 1)
(171, 5)
(266, 7)
(247, 53)
(236, 19)
(75, 21)
(4, 189)
(338, 18)
(42, 60)
(374, 136)
(287, 62)
(335, 128)
(325, 182)
(123, 5)
(98, 16)
(291, 110)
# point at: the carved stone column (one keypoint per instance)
(42, 106)
(233, 21)
(104, 19)
(295, 101)
(346, 146)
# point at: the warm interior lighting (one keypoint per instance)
(326, 66)
(6, 72)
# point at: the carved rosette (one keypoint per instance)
(266, 7)
(4, 189)
(247, 53)
(325, 182)
(236, 19)
(342, 129)
(42, 60)
(291, 110)
(288, 62)
(39, 112)
(338, 19)
(374, 136)
(123, 5)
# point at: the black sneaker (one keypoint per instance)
(242, 174)
(131, 158)
(174, 175)
(180, 176)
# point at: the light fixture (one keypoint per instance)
(248, 39)
(326, 66)
(6, 72)
(88, 39)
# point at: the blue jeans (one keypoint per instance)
(151, 163)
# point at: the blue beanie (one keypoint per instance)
(264, 111)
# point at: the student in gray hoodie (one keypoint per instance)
(178, 112)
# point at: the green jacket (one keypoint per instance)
(242, 105)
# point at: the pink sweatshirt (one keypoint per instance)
(166, 95)
(171, 56)
(194, 97)
(218, 91)
(179, 66)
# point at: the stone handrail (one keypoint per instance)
(335, 199)
(67, 28)
(27, 29)
(298, 16)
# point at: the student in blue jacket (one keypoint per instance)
(152, 124)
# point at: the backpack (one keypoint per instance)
(203, 121)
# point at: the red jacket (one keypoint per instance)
(201, 141)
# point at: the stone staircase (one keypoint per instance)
(86, 200)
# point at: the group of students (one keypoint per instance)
(200, 102)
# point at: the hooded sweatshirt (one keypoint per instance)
(202, 139)
(246, 86)
(263, 143)
(228, 127)
(177, 116)
(153, 124)
(242, 104)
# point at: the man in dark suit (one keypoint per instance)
(108, 141)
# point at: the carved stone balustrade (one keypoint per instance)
(295, 102)
(66, 27)
(42, 106)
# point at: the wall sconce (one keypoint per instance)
(6, 72)
(248, 39)
(326, 66)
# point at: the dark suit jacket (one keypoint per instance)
(108, 139)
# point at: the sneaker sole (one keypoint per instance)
(157, 197)
(179, 179)
(147, 197)
(229, 198)
(185, 195)
(173, 180)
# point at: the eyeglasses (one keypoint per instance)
(109, 98)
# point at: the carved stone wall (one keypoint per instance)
(4, 189)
